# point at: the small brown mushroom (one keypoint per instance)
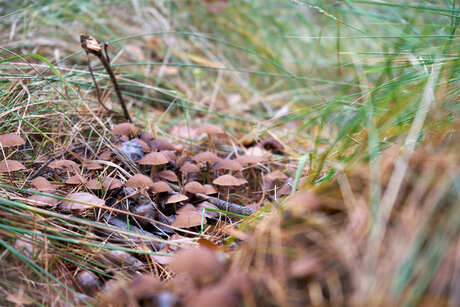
(189, 167)
(154, 159)
(10, 140)
(205, 156)
(76, 179)
(92, 165)
(229, 180)
(42, 200)
(139, 181)
(42, 184)
(161, 144)
(124, 129)
(209, 189)
(161, 187)
(7, 166)
(194, 187)
(176, 198)
(249, 159)
(71, 205)
(168, 175)
(68, 165)
(227, 164)
(187, 217)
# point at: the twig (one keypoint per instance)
(227, 206)
(92, 46)
(98, 92)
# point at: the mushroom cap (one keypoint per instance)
(276, 175)
(229, 180)
(42, 200)
(124, 129)
(153, 158)
(161, 144)
(176, 198)
(169, 154)
(189, 167)
(7, 166)
(42, 184)
(194, 187)
(111, 183)
(211, 130)
(168, 175)
(67, 164)
(10, 140)
(187, 217)
(83, 197)
(76, 179)
(209, 189)
(249, 159)
(205, 156)
(92, 165)
(227, 164)
(160, 187)
(139, 181)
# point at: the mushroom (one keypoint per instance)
(168, 175)
(161, 144)
(227, 164)
(7, 166)
(187, 217)
(249, 159)
(209, 189)
(76, 179)
(125, 129)
(189, 167)
(205, 156)
(194, 187)
(139, 181)
(176, 198)
(154, 159)
(229, 181)
(42, 200)
(42, 184)
(161, 187)
(80, 201)
(68, 165)
(10, 140)
(211, 131)
(92, 165)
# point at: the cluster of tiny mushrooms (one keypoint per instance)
(157, 153)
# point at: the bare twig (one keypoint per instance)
(98, 92)
(92, 46)
(227, 206)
